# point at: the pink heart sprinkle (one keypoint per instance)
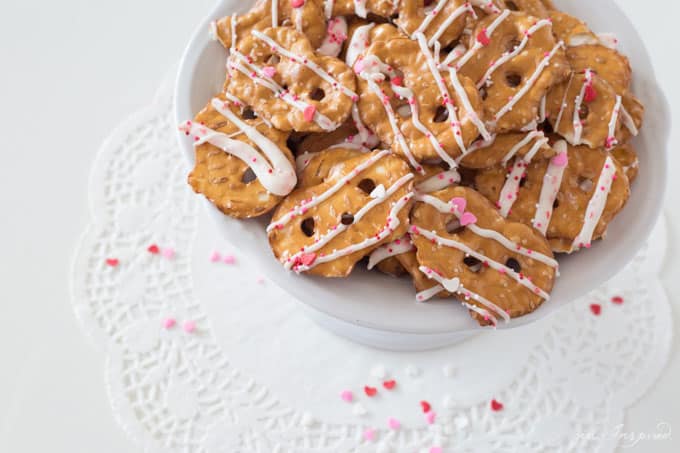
(190, 327)
(359, 66)
(436, 450)
(467, 218)
(269, 71)
(430, 417)
(297, 3)
(307, 259)
(393, 423)
(169, 323)
(169, 253)
(309, 112)
(560, 160)
(347, 396)
(459, 203)
(229, 259)
(369, 434)
(215, 257)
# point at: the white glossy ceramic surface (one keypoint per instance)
(375, 309)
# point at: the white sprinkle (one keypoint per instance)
(448, 402)
(359, 410)
(307, 420)
(461, 422)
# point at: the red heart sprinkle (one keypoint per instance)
(496, 406)
(590, 94)
(426, 406)
(370, 391)
(483, 38)
(618, 300)
(397, 81)
(153, 248)
(596, 309)
(389, 385)
(113, 262)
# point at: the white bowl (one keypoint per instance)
(378, 310)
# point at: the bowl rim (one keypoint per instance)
(182, 110)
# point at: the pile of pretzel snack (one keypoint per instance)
(461, 143)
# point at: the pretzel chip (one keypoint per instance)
(242, 165)
(288, 83)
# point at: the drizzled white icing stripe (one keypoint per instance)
(542, 115)
(366, 137)
(462, 94)
(578, 102)
(629, 122)
(275, 13)
(521, 279)
(466, 7)
(509, 191)
(336, 34)
(529, 83)
(507, 56)
(552, 180)
(232, 23)
(306, 62)
(297, 12)
(439, 181)
(372, 69)
(392, 223)
(394, 248)
(257, 75)
(429, 17)
(360, 8)
(358, 44)
(278, 177)
(563, 105)
(315, 200)
(429, 293)
(328, 8)
(407, 93)
(476, 146)
(611, 137)
(522, 143)
(450, 208)
(448, 102)
(454, 286)
(477, 45)
(341, 227)
(596, 205)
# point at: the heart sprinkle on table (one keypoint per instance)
(596, 309)
(430, 417)
(190, 327)
(168, 253)
(369, 434)
(215, 257)
(113, 262)
(370, 391)
(389, 385)
(425, 406)
(347, 396)
(496, 406)
(393, 423)
(169, 323)
(153, 249)
(618, 300)
(229, 259)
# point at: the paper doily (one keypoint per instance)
(258, 376)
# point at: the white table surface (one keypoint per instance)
(73, 69)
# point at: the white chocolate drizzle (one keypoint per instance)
(305, 62)
(454, 286)
(278, 177)
(340, 228)
(451, 208)
(439, 181)
(336, 34)
(503, 269)
(578, 102)
(611, 137)
(552, 181)
(394, 248)
(596, 205)
(477, 45)
(507, 56)
(529, 83)
(391, 224)
(303, 207)
(466, 7)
